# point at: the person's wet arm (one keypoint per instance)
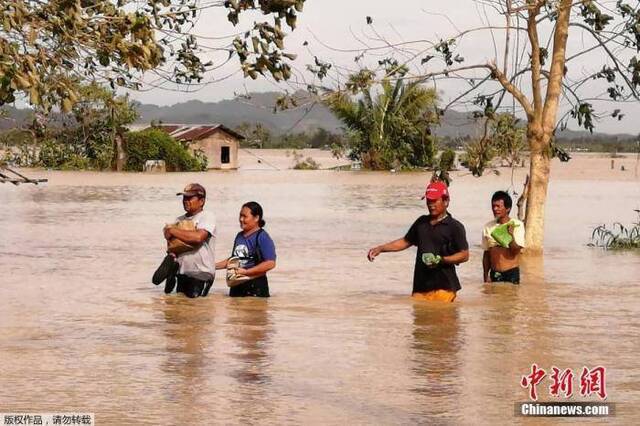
(460, 242)
(196, 237)
(486, 265)
(514, 248)
(395, 245)
(222, 264)
(260, 269)
(456, 258)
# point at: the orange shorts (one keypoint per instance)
(436, 295)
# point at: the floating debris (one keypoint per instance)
(11, 176)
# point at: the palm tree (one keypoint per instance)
(394, 129)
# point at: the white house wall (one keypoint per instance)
(212, 148)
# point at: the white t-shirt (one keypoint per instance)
(488, 241)
(200, 263)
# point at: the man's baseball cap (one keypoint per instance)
(436, 190)
(193, 189)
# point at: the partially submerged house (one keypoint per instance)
(219, 143)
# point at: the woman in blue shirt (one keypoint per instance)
(256, 252)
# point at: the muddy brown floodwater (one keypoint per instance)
(82, 329)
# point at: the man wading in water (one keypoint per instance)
(193, 257)
(502, 241)
(442, 244)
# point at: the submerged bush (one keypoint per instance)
(154, 144)
(306, 164)
(55, 154)
(447, 160)
(618, 237)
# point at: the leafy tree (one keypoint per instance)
(54, 154)
(291, 140)
(15, 137)
(101, 118)
(391, 129)
(445, 165)
(256, 135)
(337, 150)
(320, 138)
(478, 156)
(86, 138)
(509, 139)
(154, 144)
(304, 164)
(503, 139)
(48, 47)
(447, 160)
(18, 147)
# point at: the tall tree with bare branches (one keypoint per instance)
(532, 71)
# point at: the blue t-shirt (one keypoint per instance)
(245, 248)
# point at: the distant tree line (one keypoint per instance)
(388, 129)
(603, 143)
(94, 136)
(259, 136)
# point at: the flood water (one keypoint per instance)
(82, 329)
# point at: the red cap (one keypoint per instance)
(436, 190)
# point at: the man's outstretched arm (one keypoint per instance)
(396, 245)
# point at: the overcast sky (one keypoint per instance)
(332, 27)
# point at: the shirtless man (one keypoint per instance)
(501, 263)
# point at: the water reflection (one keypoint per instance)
(532, 269)
(437, 340)
(510, 332)
(250, 328)
(186, 327)
(87, 194)
(366, 197)
(319, 350)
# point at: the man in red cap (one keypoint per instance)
(442, 244)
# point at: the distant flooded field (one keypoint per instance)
(82, 329)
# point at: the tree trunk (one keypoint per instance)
(540, 129)
(523, 199)
(121, 154)
(537, 197)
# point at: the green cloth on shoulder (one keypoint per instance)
(501, 233)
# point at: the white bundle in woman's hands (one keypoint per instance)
(233, 278)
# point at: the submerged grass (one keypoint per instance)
(618, 237)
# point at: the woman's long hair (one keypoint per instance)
(256, 210)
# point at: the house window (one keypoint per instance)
(225, 155)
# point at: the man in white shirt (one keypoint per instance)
(502, 247)
(196, 267)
